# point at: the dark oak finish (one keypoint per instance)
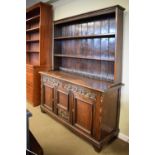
(90, 113)
(83, 57)
(83, 114)
(38, 48)
(86, 36)
(83, 89)
(94, 37)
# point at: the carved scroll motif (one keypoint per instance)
(80, 91)
(69, 87)
(63, 114)
(51, 81)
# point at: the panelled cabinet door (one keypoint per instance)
(48, 97)
(83, 113)
(62, 103)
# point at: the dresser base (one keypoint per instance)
(98, 145)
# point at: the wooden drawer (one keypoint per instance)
(29, 69)
(29, 87)
(33, 84)
(29, 83)
(63, 114)
(29, 93)
(29, 76)
(29, 90)
(30, 98)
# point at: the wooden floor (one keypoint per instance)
(55, 139)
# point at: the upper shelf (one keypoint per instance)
(84, 57)
(34, 40)
(32, 51)
(32, 29)
(86, 36)
(33, 18)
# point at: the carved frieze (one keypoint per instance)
(51, 81)
(69, 87)
(80, 90)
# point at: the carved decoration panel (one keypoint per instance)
(63, 114)
(69, 87)
(51, 81)
(80, 90)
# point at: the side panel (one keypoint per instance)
(110, 115)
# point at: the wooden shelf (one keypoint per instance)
(38, 48)
(30, 51)
(32, 29)
(33, 18)
(28, 65)
(86, 36)
(34, 40)
(84, 57)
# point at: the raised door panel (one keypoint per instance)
(49, 97)
(83, 114)
(62, 102)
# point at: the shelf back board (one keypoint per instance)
(81, 40)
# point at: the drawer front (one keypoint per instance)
(29, 93)
(30, 97)
(29, 84)
(63, 114)
(29, 69)
(29, 77)
(29, 88)
(33, 83)
(29, 74)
